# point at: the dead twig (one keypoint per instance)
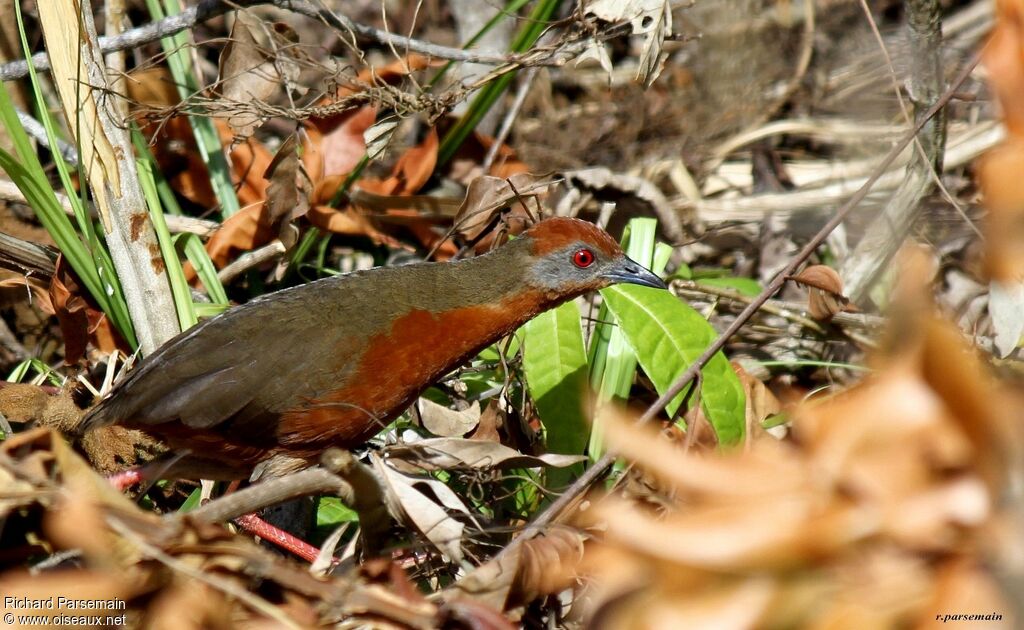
(271, 492)
(248, 260)
(208, 9)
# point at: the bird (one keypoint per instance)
(265, 387)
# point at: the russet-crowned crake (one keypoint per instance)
(271, 384)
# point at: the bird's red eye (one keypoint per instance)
(583, 258)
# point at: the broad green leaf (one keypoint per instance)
(555, 363)
(331, 512)
(667, 336)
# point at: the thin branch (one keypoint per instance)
(209, 9)
(248, 260)
(27, 257)
(272, 492)
(35, 129)
(302, 7)
(202, 228)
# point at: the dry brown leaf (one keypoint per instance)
(245, 230)
(351, 222)
(761, 403)
(491, 418)
(249, 161)
(247, 73)
(80, 322)
(547, 565)
(825, 291)
(171, 139)
(454, 453)
(445, 422)
(342, 146)
(416, 165)
(289, 189)
(408, 504)
(543, 566)
(40, 291)
(487, 196)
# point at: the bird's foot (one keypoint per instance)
(126, 478)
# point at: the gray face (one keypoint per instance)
(581, 267)
(567, 269)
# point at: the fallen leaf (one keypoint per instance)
(408, 504)
(761, 403)
(1006, 307)
(247, 74)
(652, 18)
(449, 453)
(825, 297)
(488, 196)
(288, 190)
(445, 422)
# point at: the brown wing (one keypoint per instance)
(244, 366)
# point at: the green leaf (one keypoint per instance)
(555, 363)
(683, 272)
(331, 512)
(667, 336)
(192, 502)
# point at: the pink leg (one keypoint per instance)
(248, 522)
(259, 527)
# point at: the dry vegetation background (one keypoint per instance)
(879, 482)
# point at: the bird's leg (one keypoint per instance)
(248, 522)
(277, 536)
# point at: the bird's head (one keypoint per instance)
(571, 256)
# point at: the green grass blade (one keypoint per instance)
(205, 132)
(612, 358)
(90, 260)
(488, 94)
(180, 290)
(191, 244)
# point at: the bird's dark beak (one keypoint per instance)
(629, 271)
